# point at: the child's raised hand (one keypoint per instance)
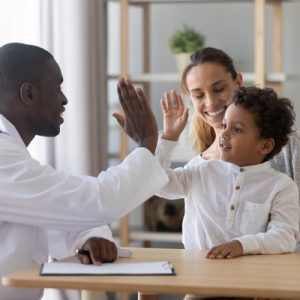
(175, 115)
(228, 250)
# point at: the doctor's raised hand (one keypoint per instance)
(175, 115)
(139, 122)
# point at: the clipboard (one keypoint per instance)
(116, 269)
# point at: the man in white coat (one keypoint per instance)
(36, 199)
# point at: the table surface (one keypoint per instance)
(276, 276)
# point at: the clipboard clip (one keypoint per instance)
(167, 266)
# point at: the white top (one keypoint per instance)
(256, 204)
(39, 204)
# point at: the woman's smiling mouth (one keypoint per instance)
(216, 113)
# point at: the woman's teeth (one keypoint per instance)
(215, 113)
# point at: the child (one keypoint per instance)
(239, 205)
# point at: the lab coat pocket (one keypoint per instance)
(255, 217)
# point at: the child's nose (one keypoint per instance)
(224, 134)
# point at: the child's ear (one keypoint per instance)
(267, 145)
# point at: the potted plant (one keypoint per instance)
(183, 43)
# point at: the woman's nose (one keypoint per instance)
(210, 100)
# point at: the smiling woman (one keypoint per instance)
(210, 81)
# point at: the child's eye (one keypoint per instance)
(237, 130)
(223, 126)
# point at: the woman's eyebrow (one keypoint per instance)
(219, 81)
(196, 90)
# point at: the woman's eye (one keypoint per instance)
(220, 89)
(197, 97)
(237, 130)
(223, 126)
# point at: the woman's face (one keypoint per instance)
(211, 89)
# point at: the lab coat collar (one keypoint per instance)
(8, 128)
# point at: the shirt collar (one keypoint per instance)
(260, 167)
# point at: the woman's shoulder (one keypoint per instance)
(292, 146)
(294, 139)
(288, 159)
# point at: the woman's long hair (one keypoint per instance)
(204, 134)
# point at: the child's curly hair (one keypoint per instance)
(274, 116)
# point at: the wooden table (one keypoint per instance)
(275, 276)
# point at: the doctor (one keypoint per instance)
(36, 201)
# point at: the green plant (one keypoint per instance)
(186, 40)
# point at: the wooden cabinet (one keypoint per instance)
(259, 76)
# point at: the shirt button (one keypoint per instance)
(237, 187)
(242, 169)
(232, 207)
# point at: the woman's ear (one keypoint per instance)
(28, 93)
(267, 145)
(239, 79)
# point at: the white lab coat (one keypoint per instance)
(37, 202)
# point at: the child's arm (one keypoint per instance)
(179, 178)
(175, 115)
(175, 119)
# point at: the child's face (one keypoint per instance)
(240, 141)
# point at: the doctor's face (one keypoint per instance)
(51, 101)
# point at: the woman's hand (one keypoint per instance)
(175, 115)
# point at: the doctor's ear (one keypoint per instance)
(28, 93)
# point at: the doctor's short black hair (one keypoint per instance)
(274, 116)
(21, 63)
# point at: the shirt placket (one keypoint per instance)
(232, 207)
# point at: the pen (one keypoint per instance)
(83, 252)
(121, 252)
